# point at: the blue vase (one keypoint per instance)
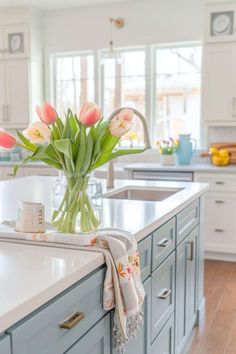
(185, 150)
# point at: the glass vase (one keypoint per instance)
(76, 203)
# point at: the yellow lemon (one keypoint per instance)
(216, 160)
(214, 151)
(223, 153)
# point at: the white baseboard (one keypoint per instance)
(218, 256)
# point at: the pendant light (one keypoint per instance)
(112, 54)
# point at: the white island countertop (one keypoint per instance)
(32, 275)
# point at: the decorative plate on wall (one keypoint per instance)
(16, 42)
(220, 23)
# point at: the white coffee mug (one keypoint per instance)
(30, 217)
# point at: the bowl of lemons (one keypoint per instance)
(219, 157)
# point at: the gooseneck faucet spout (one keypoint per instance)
(110, 170)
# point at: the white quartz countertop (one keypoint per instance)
(205, 167)
(32, 275)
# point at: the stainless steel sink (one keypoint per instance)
(142, 193)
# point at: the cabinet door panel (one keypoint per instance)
(5, 345)
(96, 341)
(220, 83)
(163, 294)
(141, 344)
(186, 289)
(164, 343)
(17, 93)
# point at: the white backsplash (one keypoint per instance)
(221, 134)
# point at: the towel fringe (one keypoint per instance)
(133, 325)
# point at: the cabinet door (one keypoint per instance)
(186, 288)
(164, 342)
(5, 345)
(96, 341)
(141, 344)
(219, 95)
(17, 93)
(220, 223)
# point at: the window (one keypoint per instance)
(124, 85)
(177, 91)
(74, 81)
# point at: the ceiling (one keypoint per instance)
(56, 4)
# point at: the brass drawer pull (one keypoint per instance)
(164, 243)
(219, 230)
(219, 182)
(72, 320)
(219, 202)
(191, 258)
(164, 294)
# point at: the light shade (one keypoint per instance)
(111, 56)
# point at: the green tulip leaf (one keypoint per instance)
(110, 156)
(27, 144)
(81, 149)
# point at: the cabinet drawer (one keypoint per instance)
(5, 345)
(41, 333)
(144, 248)
(163, 288)
(220, 223)
(163, 243)
(187, 220)
(164, 343)
(219, 182)
(96, 341)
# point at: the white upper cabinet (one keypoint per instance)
(219, 88)
(17, 93)
(20, 73)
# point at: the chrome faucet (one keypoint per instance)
(110, 169)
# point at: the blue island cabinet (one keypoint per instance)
(172, 273)
(5, 344)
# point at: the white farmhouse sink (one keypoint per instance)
(142, 193)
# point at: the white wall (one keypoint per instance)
(147, 22)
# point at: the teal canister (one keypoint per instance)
(185, 149)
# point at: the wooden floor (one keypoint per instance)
(218, 334)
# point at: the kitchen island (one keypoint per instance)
(42, 286)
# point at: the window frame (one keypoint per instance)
(150, 79)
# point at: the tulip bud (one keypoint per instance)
(126, 114)
(90, 114)
(118, 126)
(47, 113)
(7, 141)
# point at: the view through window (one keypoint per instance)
(178, 92)
(74, 81)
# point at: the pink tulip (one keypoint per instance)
(46, 113)
(119, 127)
(126, 114)
(90, 114)
(7, 141)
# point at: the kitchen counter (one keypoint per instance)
(30, 276)
(205, 167)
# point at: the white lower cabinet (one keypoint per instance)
(219, 224)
